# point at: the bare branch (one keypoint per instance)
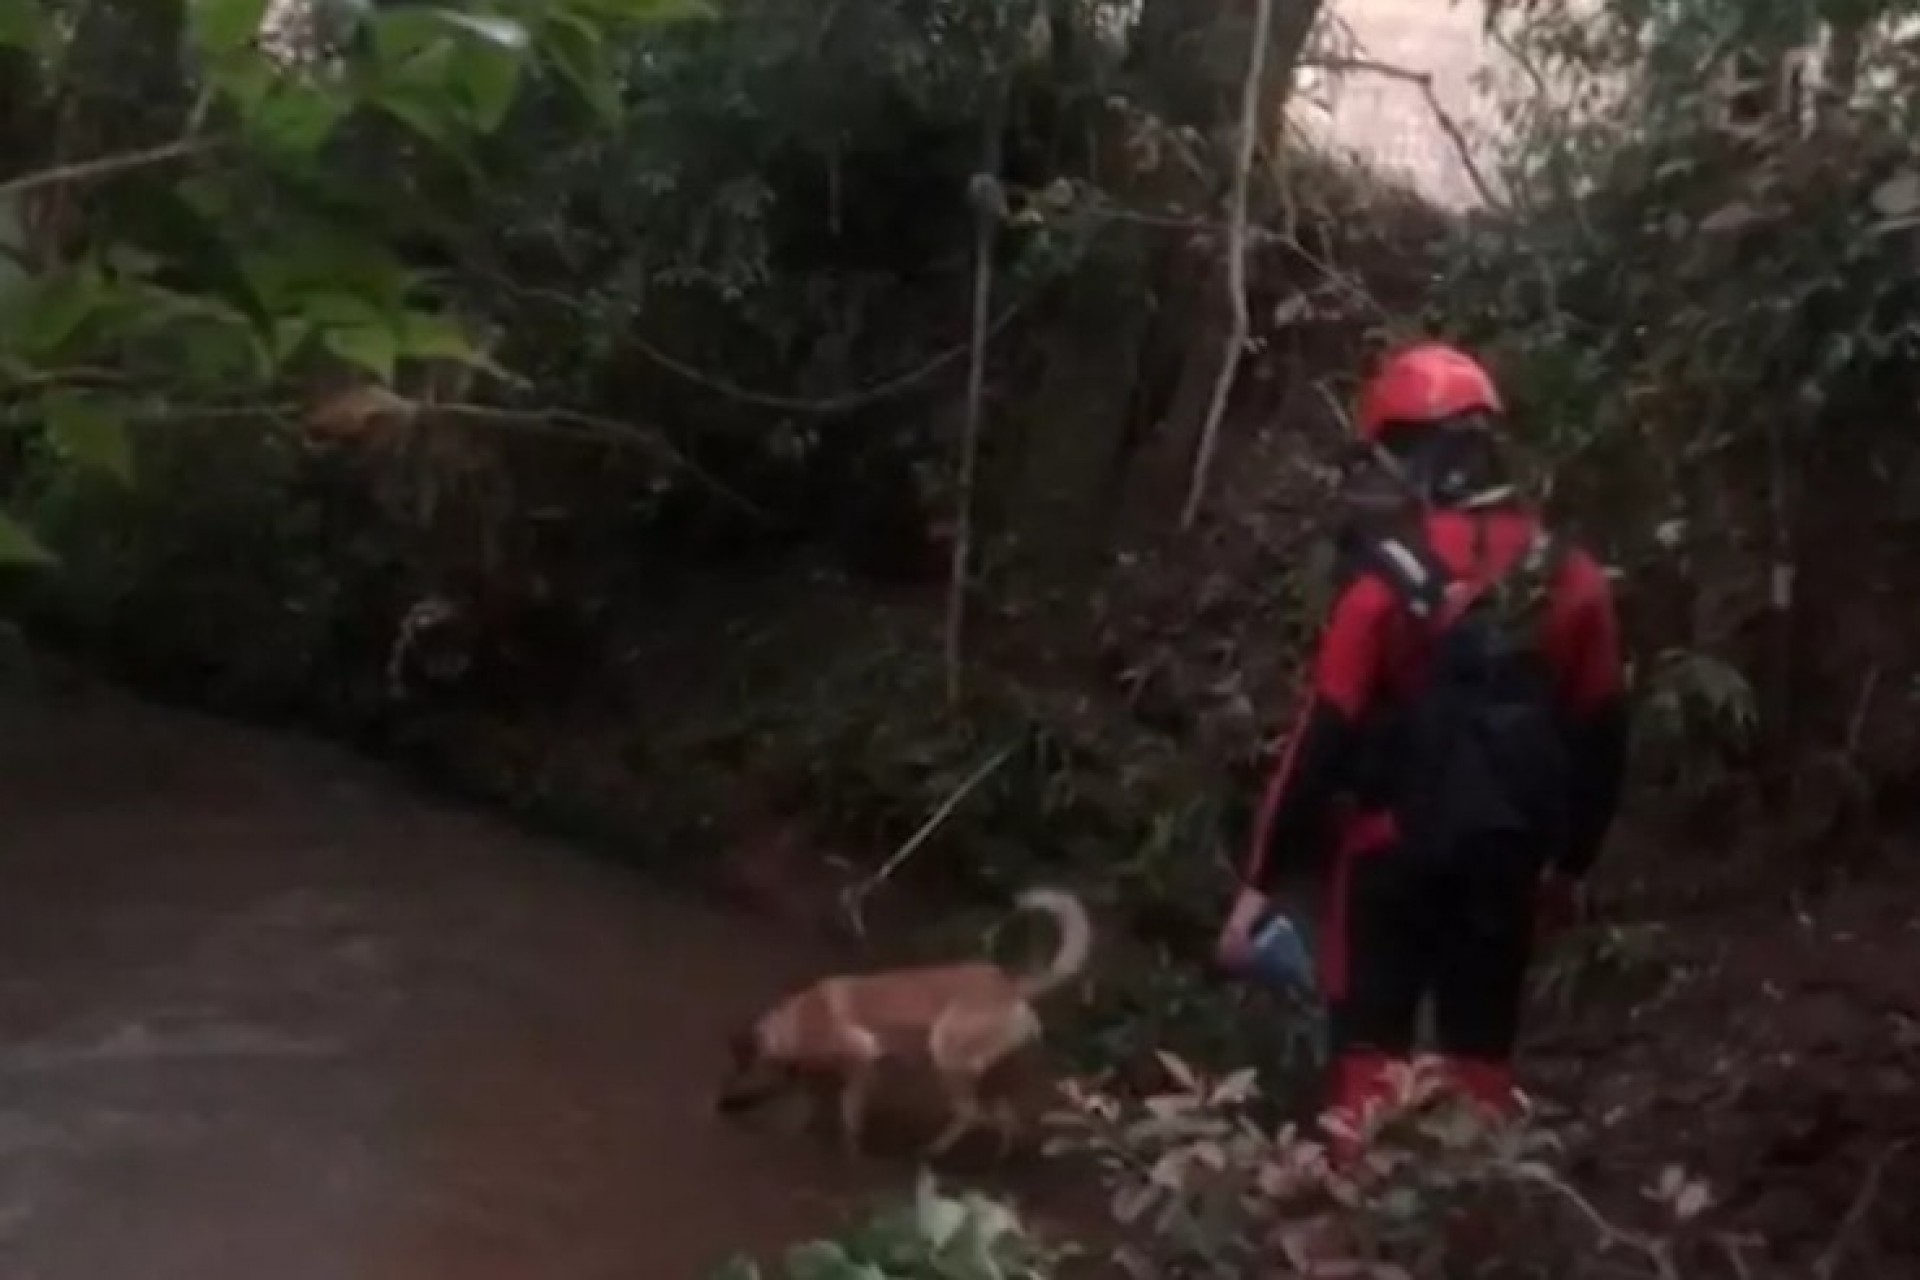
(1654, 1252)
(1449, 125)
(1843, 1239)
(851, 900)
(103, 167)
(989, 206)
(1250, 100)
(842, 402)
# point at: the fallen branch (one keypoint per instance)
(1449, 125)
(1845, 1237)
(1653, 1251)
(102, 167)
(1250, 100)
(851, 899)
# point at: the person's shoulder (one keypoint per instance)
(1373, 570)
(1582, 574)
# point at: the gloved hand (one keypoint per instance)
(1233, 949)
(1559, 904)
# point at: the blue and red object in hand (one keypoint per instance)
(1279, 958)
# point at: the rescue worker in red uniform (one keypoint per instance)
(1478, 746)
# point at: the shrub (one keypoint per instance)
(933, 1236)
(1203, 1191)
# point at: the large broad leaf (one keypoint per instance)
(825, 1260)
(575, 49)
(18, 546)
(424, 336)
(23, 25)
(55, 308)
(371, 347)
(224, 27)
(486, 77)
(494, 29)
(90, 432)
(638, 11)
(294, 119)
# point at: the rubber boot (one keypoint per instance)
(1473, 1236)
(1360, 1081)
(1487, 1082)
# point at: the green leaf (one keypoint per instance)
(57, 307)
(18, 546)
(371, 347)
(496, 30)
(341, 310)
(486, 79)
(23, 26)
(826, 1260)
(222, 27)
(425, 114)
(636, 12)
(290, 333)
(424, 336)
(575, 50)
(87, 432)
(737, 1268)
(295, 119)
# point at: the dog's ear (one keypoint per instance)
(749, 1082)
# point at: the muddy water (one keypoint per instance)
(264, 1014)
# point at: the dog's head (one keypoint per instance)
(753, 1074)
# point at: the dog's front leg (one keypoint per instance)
(854, 1093)
(1006, 1121)
(798, 1111)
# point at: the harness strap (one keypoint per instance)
(1431, 592)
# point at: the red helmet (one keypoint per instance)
(1426, 382)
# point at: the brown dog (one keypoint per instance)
(966, 1018)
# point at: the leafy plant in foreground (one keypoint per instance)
(1206, 1193)
(933, 1236)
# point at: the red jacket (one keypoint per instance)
(1371, 649)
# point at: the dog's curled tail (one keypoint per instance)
(1075, 945)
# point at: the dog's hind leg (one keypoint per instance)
(854, 1093)
(963, 1100)
(1006, 1123)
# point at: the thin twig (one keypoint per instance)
(102, 167)
(1250, 100)
(554, 421)
(986, 221)
(1259, 235)
(814, 406)
(1423, 80)
(1654, 1251)
(821, 406)
(851, 899)
(1844, 1238)
(1857, 723)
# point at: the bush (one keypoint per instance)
(934, 1236)
(1204, 1191)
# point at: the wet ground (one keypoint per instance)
(265, 1013)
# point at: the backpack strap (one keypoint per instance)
(1430, 591)
(1416, 575)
